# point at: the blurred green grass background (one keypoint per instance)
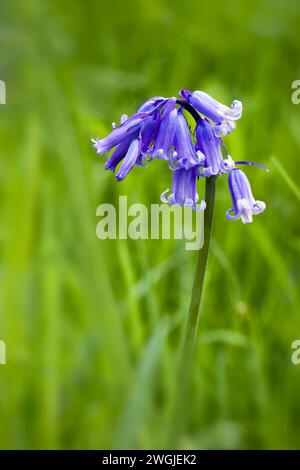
(93, 327)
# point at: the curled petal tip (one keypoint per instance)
(224, 128)
(185, 94)
(159, 154)
(228, 164)
(97, 144)
(201, 156)
(230, 214)
(236, 109)
(201, 206)
(163, 196)
(259, 207)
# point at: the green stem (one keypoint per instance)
(193, 315)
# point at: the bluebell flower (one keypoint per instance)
(184, 191)
(210, 146)
(160, 130)
(135, 136)
(185, 154)
(224, 117)
(244, 204)
(129, 128)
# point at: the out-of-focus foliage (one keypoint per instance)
(93, 327)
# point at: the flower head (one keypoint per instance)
(244, 204)
(184, 189)
(210, 146)
(159, 130)
(223, 117)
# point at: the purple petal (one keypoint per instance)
(184, 189)
(214, 110)
(184, 185)
(148, 133)
(244, 204)
(150, 104)
(119, 133)
(129, 160)
(210, 146)
(118, 154)
(165, 135)
(186, 153)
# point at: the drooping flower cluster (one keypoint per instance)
(159, 130)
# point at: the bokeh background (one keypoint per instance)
(93, 328)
